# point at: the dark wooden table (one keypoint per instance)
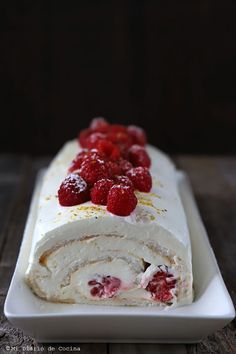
(214, 184)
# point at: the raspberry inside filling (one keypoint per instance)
(160, 286)
(104, 287)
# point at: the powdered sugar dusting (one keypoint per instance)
(76, 181)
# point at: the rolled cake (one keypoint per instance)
(85, 254)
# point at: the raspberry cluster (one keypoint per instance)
(161, 285)
(111, 166)
(104, 287)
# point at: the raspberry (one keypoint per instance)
(83, 135)
(121, 200)
(93, 139)
(92, 155)
(124, 180)
(100, 125)
(104, 287)
(160, 286)
(125, 165)
(121, 139)
(113, 168)
(77, 162)
(138, 156)
(117, 128)
(138, 135)
(73, 190)
(81, 157)
(141, 178)
(100, 191)
(93, 169)
(107, 149)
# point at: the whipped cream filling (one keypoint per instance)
(67, 269)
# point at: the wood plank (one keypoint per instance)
(19, 200)
(20, 205)
(10, 167)
(19, 211)
(147, 348)
(214, 184)
(223, 341)
(84, 348)
(13, 340)
(210, 175)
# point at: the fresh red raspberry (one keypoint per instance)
(124, 180)
(113, 168)
(93, 139)
(121, 139)
(117, 128)
(77, 162)
(82, 156)
(92, 155)
(141, 178)
(73, 190)
(125, 165)
(138, 156)
(100, 191)
(121, 200)
(160, 286)
(104, 287)
(109, 150)
(92, 170)
(100, 125)
(138, 135)
(83, 135)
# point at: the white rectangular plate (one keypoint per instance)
(49, 322)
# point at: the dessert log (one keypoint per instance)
(110, 227)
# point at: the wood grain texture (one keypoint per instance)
(148, 348)
(214, 184)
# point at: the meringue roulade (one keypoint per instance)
(86, 254)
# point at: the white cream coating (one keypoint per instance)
(155, 232)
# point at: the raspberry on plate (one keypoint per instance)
(160, 286)
(138, 156)
(141, 178)
(138, 135)
(121, 200)
(100, 125)
(93, 169)
(100, 191)
(73, 190)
